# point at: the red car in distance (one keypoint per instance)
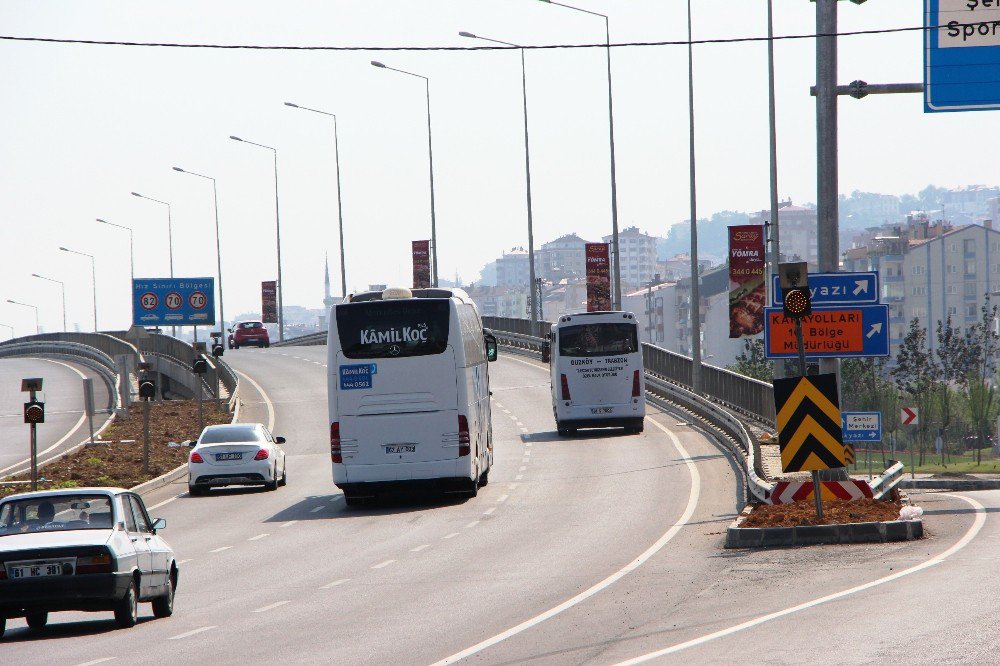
(248, 333)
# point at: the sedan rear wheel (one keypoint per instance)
(273, 483)
(37, 620)
(127, 608)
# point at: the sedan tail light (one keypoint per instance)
(196, 457)
(94, 564)
(262, 454)
(464, 438)
(335, 452)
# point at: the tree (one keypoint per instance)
(952, 365)
(752, 362)
(983, 345)
(914, 375)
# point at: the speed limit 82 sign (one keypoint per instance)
(173, 301)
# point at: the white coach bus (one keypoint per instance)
(409, 393)
(597, 377)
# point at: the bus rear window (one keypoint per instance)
(598, 339)
(393, 329)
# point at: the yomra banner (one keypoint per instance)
(747, 297)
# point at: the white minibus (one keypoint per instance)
(409, 393)
(597, 377)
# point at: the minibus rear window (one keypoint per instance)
(598, 339)
(393, 329)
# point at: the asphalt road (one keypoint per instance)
(596, 549)
(65, 424)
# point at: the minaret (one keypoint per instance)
(327, 298)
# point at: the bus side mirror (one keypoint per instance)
(491, 347)
(546, 353)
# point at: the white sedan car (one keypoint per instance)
(236, 454)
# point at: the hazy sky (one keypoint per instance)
(83, 126)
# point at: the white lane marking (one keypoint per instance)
(472, 524)
(519, 423)
(536, 367)
(183, 561)
(448, 536)
(96, 661)
(263, 394)
(336, 497)
(382, 565)
(525, 459)
(519, 477)
(164, 502)
(315, 509)
(290, 523)
(191, 633)
(276, 604)
(219, 550)
(613, 578)
(489, 510)
(512, 486)
(959, 545)
(334, 583)
(527, 445)
(259, 536)
(506, 411)
(521, 468)
(420, 548)
(503, 498)
(524, 430)
(317, 363)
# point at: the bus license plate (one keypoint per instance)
(37, 570)
(601, 410)
(400, 448)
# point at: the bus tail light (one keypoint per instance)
(335, 452)
(565, 387)
(636, 387)
(464, 439)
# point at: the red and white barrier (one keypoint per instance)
(786, 492)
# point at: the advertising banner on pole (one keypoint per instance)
(598, 277)
(269, 302)
(421, 264)
(747, 296)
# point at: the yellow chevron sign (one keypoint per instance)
(809, 427)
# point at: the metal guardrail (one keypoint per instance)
(310, 340)
(886, 482)
(110, 344)
(75, 351)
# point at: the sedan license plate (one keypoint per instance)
(400, 448)
(37, 570)
(229, 456)
(601, 410)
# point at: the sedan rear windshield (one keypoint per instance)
(55, 513)
(229, 434)
(598, 339)
(392, 329)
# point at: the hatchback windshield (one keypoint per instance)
(230, 434)
(392, 329)
(54, 513)
(598, 339)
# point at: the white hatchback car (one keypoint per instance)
(236, 454)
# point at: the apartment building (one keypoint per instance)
(797, 231)
(637, 254)
(512, 268)
(562, 258)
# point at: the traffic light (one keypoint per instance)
(795, 294)
(34, 412)
(217, 349)
(200, 366)
(147, 389)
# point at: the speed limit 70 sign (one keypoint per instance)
(173, 301)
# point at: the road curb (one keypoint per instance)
(950, 484)
(811, 535)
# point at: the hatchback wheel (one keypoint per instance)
(127, 608)
(37, 620)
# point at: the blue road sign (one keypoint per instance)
(962, 56)
(861, 426)
(833, 331)
(173, 301)
(838, 288)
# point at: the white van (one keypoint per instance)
(409, 392)
(597, 375)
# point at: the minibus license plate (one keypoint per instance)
(400, 448)
(601, 410)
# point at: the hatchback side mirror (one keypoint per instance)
(279, 440)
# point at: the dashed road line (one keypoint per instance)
(519, 477)
(502, 498)
(96, 661)
(334, 583)
(448, 536)
(219, 550)
(290, 523)
(183, 562)
(164, 502)
(519, 423)
(472, 524)
(276, 604)
(525, 459)
(259, 536)
(420, 548)
(489, 510)
(521, 468)
(524, 430)
(315, 509)
(382, 565)
(191, 633)
(512, 486)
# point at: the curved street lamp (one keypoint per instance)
(62, 285)
(27, 305)
(93, 271)
(218, 246)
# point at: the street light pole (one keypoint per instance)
(340, 210)
(617, 304)
(11, 330)
(62, 285)
(218, 247)
(277, 226)
(536, 308)
(430, 157)
(170, 241)
(695, 310)
(131, 245)
(93, 270)
(27, 305)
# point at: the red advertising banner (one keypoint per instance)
(598, 277)
(269, 302)
(747, 297)
(421, 264)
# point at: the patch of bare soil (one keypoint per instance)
(835, 512)
(117, 464)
